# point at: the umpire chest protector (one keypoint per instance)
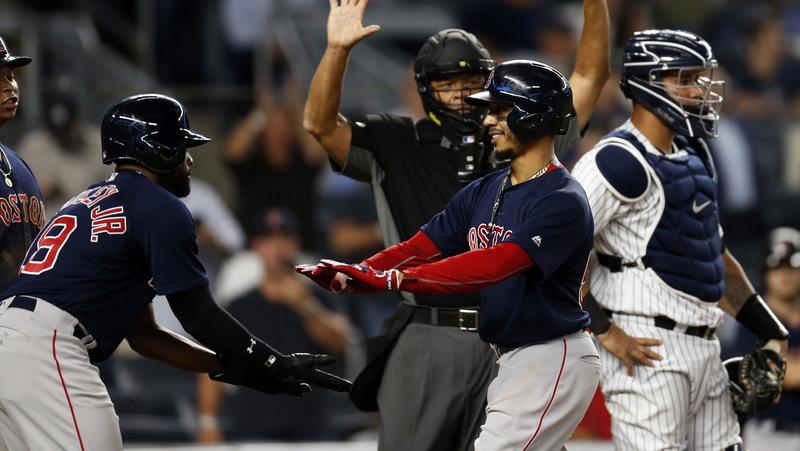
(685, 247)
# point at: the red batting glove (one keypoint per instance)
(322, 276)
(365, 279)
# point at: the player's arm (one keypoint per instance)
(741, 301)
(150, 340)
(591, 63)
(321, 117)
(215, 328)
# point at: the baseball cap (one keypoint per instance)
(783, 248)
(275, 220)
(7, 59)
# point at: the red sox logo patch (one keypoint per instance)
(489, 80)
(485, 235)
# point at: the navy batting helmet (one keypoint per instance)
(8, 60)
(447, 53)
(648, 55)
(151, 130)
(541, 96)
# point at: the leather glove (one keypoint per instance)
(322, 276)
(237, 372)
(300, 368)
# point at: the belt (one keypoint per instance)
(695, 331)
(464, 319)
(615, 264)
(29, 303)
(665, 322)
(505, 349)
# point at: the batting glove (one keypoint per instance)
(300, 368)
(365, 279)
(239, 372)
(322, 276)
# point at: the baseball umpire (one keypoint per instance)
(425, 400)
(523, 235)
(88, 281)
(664, 274)
(21, 207)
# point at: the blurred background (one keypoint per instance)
(264, 196)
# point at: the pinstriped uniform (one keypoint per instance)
(684, 402)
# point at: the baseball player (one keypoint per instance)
(664, 275)
(21, 207)
(424, 399)
(523, 235)
(89, 278)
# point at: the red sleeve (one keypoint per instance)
(469, 271)
(415, 251)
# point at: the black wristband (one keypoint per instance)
(600, 321)
(759, 319)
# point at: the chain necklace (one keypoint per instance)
(6, 174)
(538, 173)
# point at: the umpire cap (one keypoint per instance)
(9, 60)
(783, 248)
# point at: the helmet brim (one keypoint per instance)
(194, 139)
(483, 99)
(15, 61)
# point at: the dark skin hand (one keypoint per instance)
(630, 350)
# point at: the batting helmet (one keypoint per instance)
(149, 129)
(447, 53)
(541, 96)
(648, 55)
(8, 60)
(782, 248)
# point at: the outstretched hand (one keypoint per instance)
(365, 279)
(300, 368)
(344, 23)
(324, 276)
(629, 349)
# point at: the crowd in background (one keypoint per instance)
(265, 198)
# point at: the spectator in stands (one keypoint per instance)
(778, 428)
(64, 153)
(289, 312)
(274, 160)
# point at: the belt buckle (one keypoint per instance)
(707, 332)
(461, 317)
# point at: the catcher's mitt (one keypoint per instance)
(756, 380)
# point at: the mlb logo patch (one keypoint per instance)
(468, 139)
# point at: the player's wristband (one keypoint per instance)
(600, 321)
(759, 319)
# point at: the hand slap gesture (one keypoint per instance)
(344, 24)
(365, 279)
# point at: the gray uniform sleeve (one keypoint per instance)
(359, 166)
(574, 134)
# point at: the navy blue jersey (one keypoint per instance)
(21, 215)
(550, 218)
(108, 252)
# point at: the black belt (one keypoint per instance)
(464, 319)
(615, 264)
(665, 322)
(80, 332)
(504, 349)
(695, 331)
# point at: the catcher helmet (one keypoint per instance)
(447, 53)
(541, 96)
(648, 55)
(149, 129)
(8, 60)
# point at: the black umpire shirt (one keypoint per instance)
(413, 177)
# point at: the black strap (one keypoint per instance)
(464, 319)
(615, 263)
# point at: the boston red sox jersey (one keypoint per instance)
(117, 244)
(549, 217)
(626, 216)
(21, 214)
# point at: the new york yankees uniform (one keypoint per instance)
(658, 238)
(117, 244)
(548, 366)
(21, 213)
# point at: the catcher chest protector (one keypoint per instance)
(648, 55)
(151, 130)
(541, 96)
